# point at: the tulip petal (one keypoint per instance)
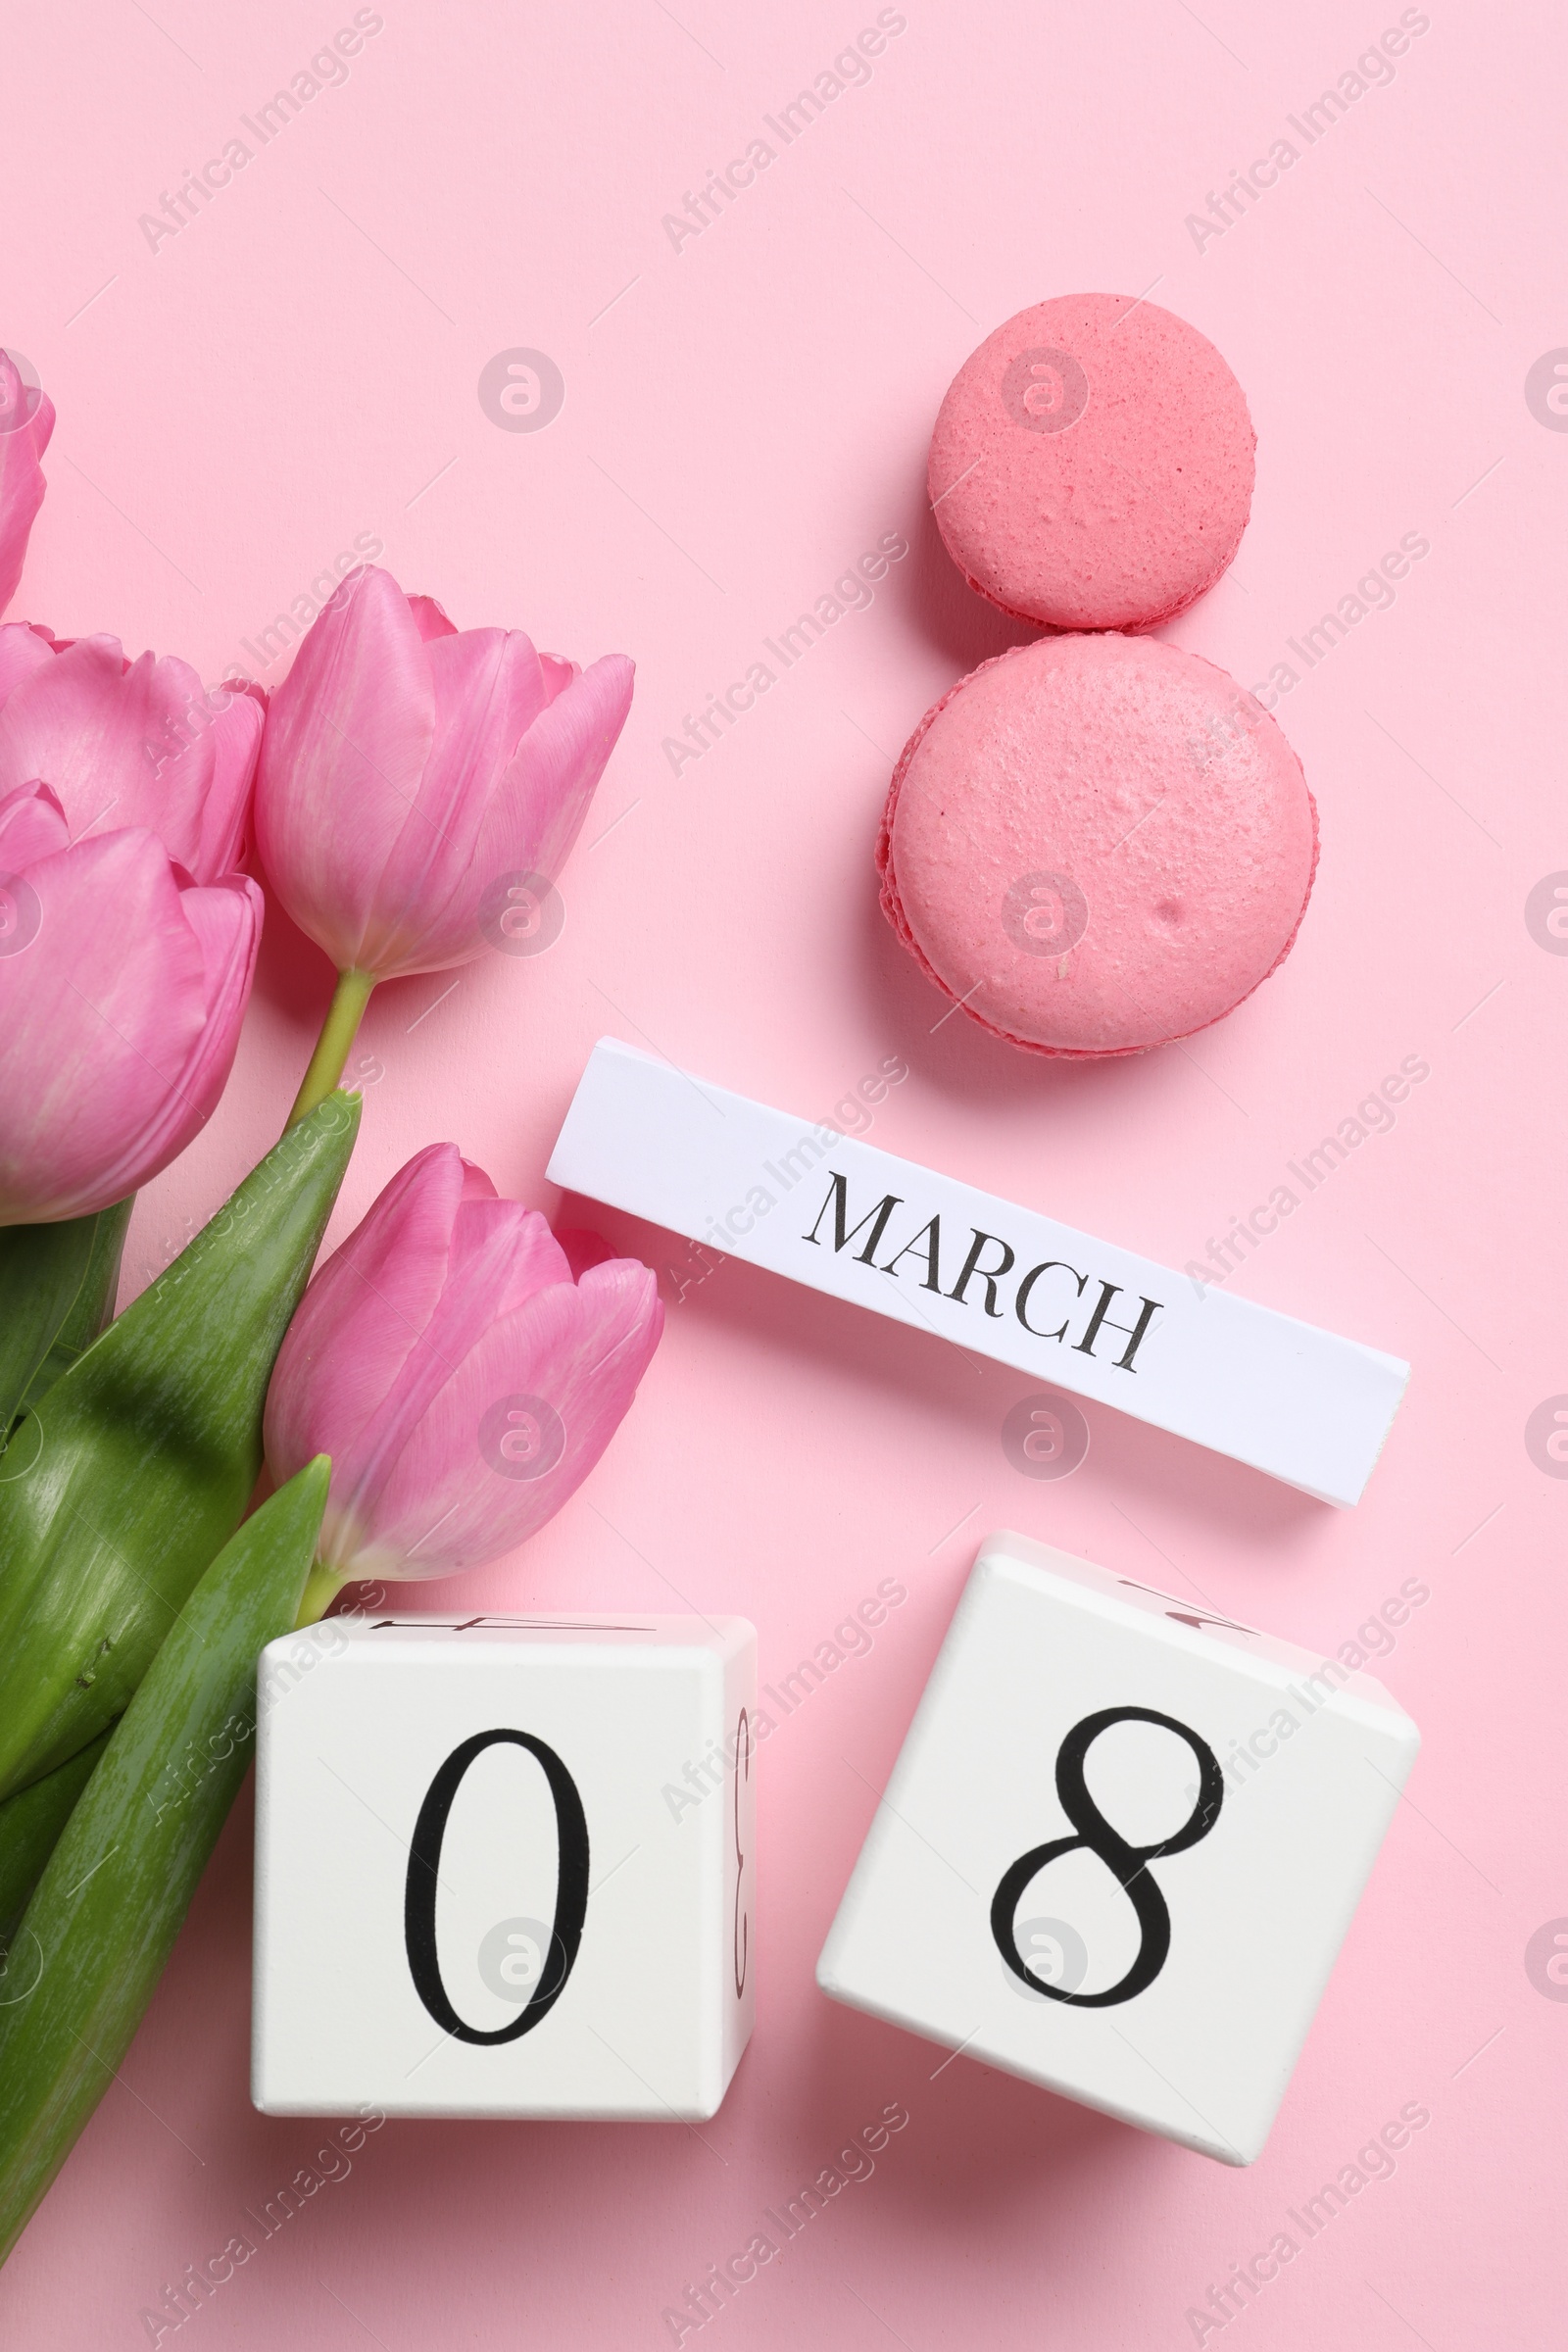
(364, 1312)
(232, 740)
(497, 1248)
(27, 422)
(32, 825)
(348, 736)
(538, 812)
(137, 744)
(70, 726)
(580, 1350)
(508, 1249)
(582, 1248)
(24, 646)
(446, 1308)
(241, 724)
(411, 771)
(430, 619)
(227, 919)
(557, 674)
(100, 1012)
(152, 734)
(488, 691)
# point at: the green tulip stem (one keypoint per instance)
(338, 1032)
(322, 1587)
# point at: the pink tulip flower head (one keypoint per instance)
(26, 421)
(123, 744)
(123, 985)
(461, 1380)
(421, 786)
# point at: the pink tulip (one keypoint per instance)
(462, 1381)
(122, 989)
(414, 777)
(126, 742)
(26, 421)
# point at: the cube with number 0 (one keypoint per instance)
(505, 1866)
(1120, 1847)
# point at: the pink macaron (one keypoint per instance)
(1092, 464)
(1097, 844)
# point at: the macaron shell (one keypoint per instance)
(1097, 844)
(1091, 465)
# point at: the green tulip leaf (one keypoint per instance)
(133, 1471)
(94, 1938)
(56, 1292)
(30, 1823)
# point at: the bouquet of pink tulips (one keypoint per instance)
(436, 1393)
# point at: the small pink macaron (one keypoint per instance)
(1092, 464)
(1097, 844)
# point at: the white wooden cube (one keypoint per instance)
(505, 1866)
(1120, 1847)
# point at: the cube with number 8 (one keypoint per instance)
(1120, 1847)
(505, 1866)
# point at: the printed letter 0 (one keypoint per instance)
(424, 1862)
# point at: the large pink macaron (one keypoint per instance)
(1092, 464)
(1097, 844)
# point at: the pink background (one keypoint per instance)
(743, 418)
